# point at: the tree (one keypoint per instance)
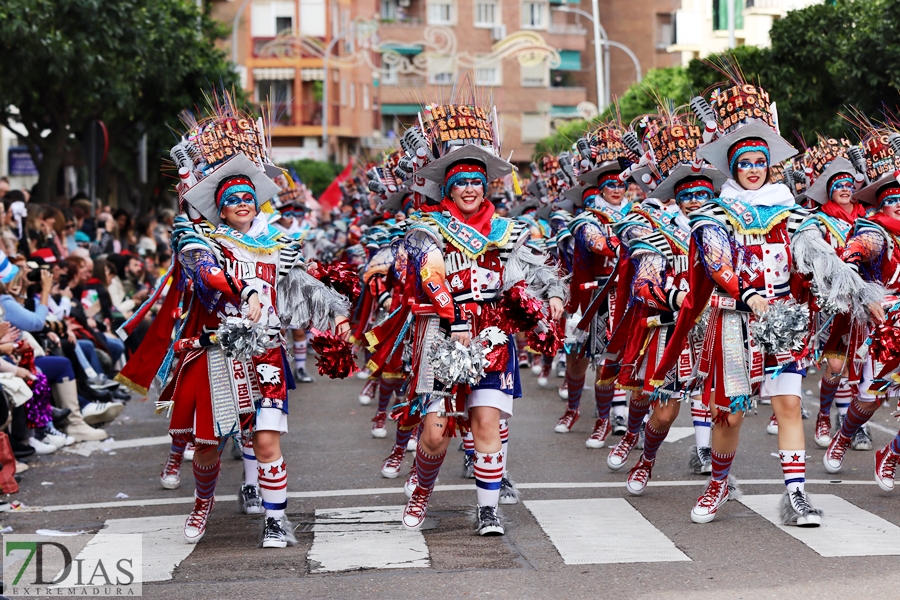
(133, 63)
(638, 99)
(316, 175)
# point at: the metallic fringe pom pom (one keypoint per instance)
(453, 363)
(243, 339)
(782, 328)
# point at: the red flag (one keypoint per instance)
(331, 197)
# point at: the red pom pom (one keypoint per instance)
(334, 356)
(339, 276)
(519, 311)
(886, 340)
(545, 339)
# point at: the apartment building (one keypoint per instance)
(280, 52)
(701, 26)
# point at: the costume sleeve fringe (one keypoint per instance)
(837, 282)
(542, 278)
(304, 301)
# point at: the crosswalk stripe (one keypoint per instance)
(602, 530)
(162, 548)
(846, 530)
(88, 448)
(678, 433)
(347, 539)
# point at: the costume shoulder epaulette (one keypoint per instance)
(709, 214)
(654, 242)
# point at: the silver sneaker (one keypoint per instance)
(277, 533)
(620, 427)
(796, 510)
(508, 492)
(249, 501)
(488, 523)
(861, 439)
(469, 466)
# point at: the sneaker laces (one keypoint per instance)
(625, 446)
(173, 464)
(418, 503)
(368, 388)
(823, 426)
(641, 471)
(379, 419)
(395, 459)
(274, 530)
(889, 465)
(840, 447)
(249, 492)
(800, 502)
(488, 513)
(567, 418)
(598, 429)
(545, 371)
(710, 498)
(198, 516)
(705, 454)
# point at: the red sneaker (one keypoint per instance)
(195, 526)
(567, 421)
(602, 429)
(416, 508)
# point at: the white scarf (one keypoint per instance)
(771, 194)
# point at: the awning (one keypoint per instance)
(278, 74)
(569, 112)
(312, 74)
(569, 60)
(400, 109)
(404, 49)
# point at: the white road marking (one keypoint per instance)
(846, 529)
(602, 530)
(88, 448)
(162, 549)
(440, 488)
(679, 433)
(348, 539)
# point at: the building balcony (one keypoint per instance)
(566, 29)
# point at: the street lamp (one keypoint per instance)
(601, 38)
(325, 107)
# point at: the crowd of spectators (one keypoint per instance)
(70, 276)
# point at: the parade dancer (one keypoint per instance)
(658, 249)
(836, 180)
(593, 293)
(462, 260)
(231, 263)
(874, 252)
(747, 247)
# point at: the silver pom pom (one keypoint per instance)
(782, 328)
(453, 363)
(242, 339)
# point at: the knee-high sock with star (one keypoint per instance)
(205, 478)
(273, 487)
(856, 418)
(702, 419)
(504, 439)
(721, 465)
(637, 410)
(828, 387)
(843, 397)
(427, 467)
(251, 474)
(300, 349)
(793, 465)
(575, 385)
(488, 475)
(386, 388)
(652, 440)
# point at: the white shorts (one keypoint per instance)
(271, 419)
(865, 381)
(786, 384)
(483, 397)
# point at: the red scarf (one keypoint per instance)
(835, 210)
(889, 223)
(481, 220)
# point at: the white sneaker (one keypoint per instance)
(772, 427)
(189, 452)
(40, 447)
(57, 438)
(537, 367)
(412, 443)
(101, 412)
